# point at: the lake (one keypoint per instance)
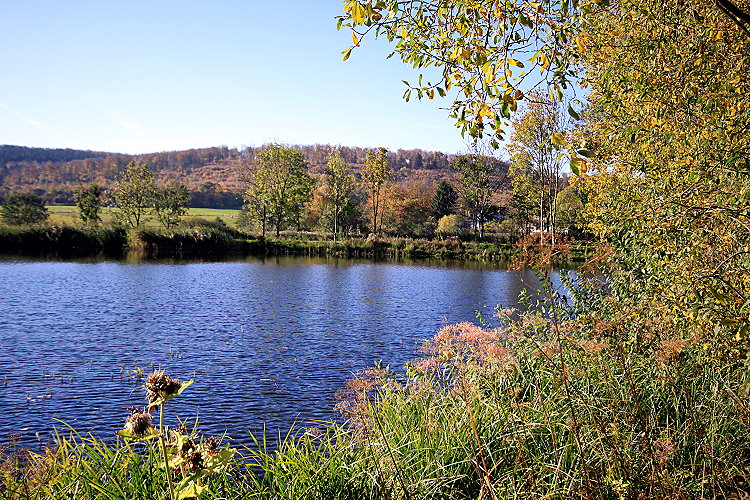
(268, 342)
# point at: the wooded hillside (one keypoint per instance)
(212, 174)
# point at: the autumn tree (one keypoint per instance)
(278, 188)
(375, 175)
(339, 191)
(669, 188)
(89, 201)
(20, 209)
(409, 209)
(171, 203)
(536, 163)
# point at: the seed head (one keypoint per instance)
(194, 462)
(211, 444)
(160, 385)
(138, 422)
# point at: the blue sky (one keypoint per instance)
(159, 75)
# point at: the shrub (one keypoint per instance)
(19, 209)
(450, 225)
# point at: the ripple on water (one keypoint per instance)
(269, 342)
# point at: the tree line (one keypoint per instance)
(282, 190)
(209, 173)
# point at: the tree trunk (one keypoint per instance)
(263, 223)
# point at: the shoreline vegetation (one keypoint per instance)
(201, 238)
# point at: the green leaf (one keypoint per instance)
(572, 112)
(130, 436)
(160, 401)
(586, 153)
(574, 163)
(346, 53)
(219, 461)
(190, 490)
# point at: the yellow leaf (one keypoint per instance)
(358, 14)
(543, 60)
(355, 40)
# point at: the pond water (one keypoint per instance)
(268, 342)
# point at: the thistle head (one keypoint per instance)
(160, 385)
(138, 422)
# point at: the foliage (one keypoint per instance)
(171, 203)
(477, 46)
(669, 189)
(477, 186)
(375, 174)
(536, 163)
(19, 209)
(134, 194)
(279, 185)
(569, 210)
(408, 210)
(339, 197)
(444, 201)
(450, 225)
(89, 201)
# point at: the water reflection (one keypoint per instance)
(268, 341)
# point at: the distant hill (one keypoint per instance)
(23, 154)
(212, 174)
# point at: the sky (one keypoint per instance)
(159, 75)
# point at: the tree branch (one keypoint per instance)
(739, 16)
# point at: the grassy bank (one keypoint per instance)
(66, 241)
(198, 237)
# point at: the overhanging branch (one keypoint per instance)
(739, 16)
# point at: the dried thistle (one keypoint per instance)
(138, 422)
(211, 444)
(160, 385)
(194, 462)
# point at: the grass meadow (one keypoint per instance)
(65, 214)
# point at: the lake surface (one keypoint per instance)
(268, 341)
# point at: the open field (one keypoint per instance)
(66, 214)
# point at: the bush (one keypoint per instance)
(450, 225)
(19, 209)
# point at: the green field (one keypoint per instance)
(66, 214)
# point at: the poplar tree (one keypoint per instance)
(375, 174)
(339, 184)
